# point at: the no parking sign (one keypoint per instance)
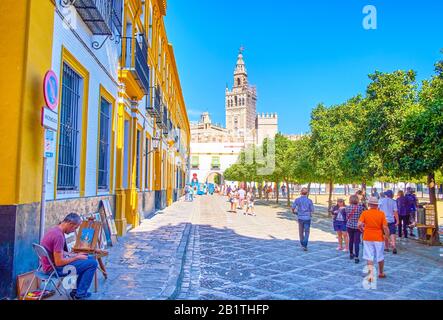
(50, 90)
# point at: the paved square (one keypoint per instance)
(199, 251)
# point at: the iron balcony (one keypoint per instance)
(137, 61)
(154, 108)
(97, 14)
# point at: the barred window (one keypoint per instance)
(70, 124)
(104, 145)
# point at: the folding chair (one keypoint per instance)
(51, 277)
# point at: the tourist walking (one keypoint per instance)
(361, 194)
(241, 198)
(233, 199)
(283, 191)
(375, 193)
(250, 198)
(267, 191)
(303, 207)
(373, 224)
(389, 206)
(412, 210)
(403, 215)
(339, 222)
(353, 213)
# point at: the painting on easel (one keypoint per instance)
(87, 236)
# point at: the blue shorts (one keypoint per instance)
(392, 228)
(340, 226)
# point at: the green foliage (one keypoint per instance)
(393, 133)
(423, 129)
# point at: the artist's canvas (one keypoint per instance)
(87, 236)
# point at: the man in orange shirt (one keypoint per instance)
(374, 226)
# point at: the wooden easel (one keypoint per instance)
(92, 248)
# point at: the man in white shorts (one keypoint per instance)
(374, 226)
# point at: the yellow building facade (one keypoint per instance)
(123, 132)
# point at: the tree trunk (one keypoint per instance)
(433, 200)
(288, 191)
(260, 190)
(364, 186)
(309, 189)
(277, 191)
(331, 189)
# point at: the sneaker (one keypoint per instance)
(75, 297)
(305, 249)
(357, 260)
(351, 256)
(394, 251)
(339, 249)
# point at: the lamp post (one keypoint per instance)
(155, 144)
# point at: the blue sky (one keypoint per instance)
(298, 53)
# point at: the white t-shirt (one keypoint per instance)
(241, 193)
(388, 206)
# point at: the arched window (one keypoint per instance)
(236, 101)
(238, 81)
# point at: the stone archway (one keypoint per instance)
(213, 177)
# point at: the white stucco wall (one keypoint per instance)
(228, 153)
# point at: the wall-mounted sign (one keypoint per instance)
(50, 90)
(49, 144)
(49, 119)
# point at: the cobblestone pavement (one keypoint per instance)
(232, 256)
(147, 262)
(200, 251)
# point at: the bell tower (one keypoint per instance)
(241, 101)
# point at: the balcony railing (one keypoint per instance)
(154, 107)
(97, 15)
(117, 15)
(165, 120)
(136, 60)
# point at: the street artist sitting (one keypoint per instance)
(55, 243)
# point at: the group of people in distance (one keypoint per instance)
(240, 198)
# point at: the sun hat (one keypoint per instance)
(373, 200)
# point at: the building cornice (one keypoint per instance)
(162, 5)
